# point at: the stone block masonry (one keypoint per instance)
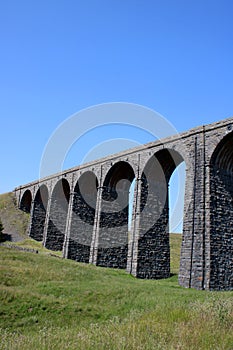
(84, 211)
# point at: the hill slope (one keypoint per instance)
(15, 221)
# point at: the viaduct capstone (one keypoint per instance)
(83, 211)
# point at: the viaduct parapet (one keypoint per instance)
(84, 211)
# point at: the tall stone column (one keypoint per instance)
(96, 227)
(135, 230)
(206, 226)
(68, 226)
(194, 250)
(47, 220)
(30, 218)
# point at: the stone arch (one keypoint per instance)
(82, 217)
(26, 201)
(153, 244)
(39, 213)
(221, 215)
(58, 215)
(113, 226)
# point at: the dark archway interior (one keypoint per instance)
(58, 215)
(119, 178)
(83, 216)
(221, 219)
(153, 245)
(39, 213)
(113, 233)
(169, 160)
(26, 201)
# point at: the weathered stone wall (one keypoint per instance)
(113, 229)
(38, 221)
(56, 227)
(39, 207)
(221, 215)
(221, 247)
(153, 243)
(81, 229)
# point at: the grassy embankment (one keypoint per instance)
(14, 220)
(51, 303)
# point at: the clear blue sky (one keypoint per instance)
(58, 57)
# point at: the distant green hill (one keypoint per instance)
(14, 221)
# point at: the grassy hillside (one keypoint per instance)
(175, 246)
(14, 220)
(51, 303)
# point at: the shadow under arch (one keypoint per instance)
(82, 217)
(26, 201)
(221, 215)
(153, 244)
(39, 213)
(114, 216)
(57, 215)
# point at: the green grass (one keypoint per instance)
(175, 247)
(50, 303)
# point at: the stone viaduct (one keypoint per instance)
(83, 211)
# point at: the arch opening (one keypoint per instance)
(83, 217)
(176, 212)
(114, 217)
(58, 215)
(39, 213)
(154, 240)
(131, 203)
(221, 215)
(26, 202)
